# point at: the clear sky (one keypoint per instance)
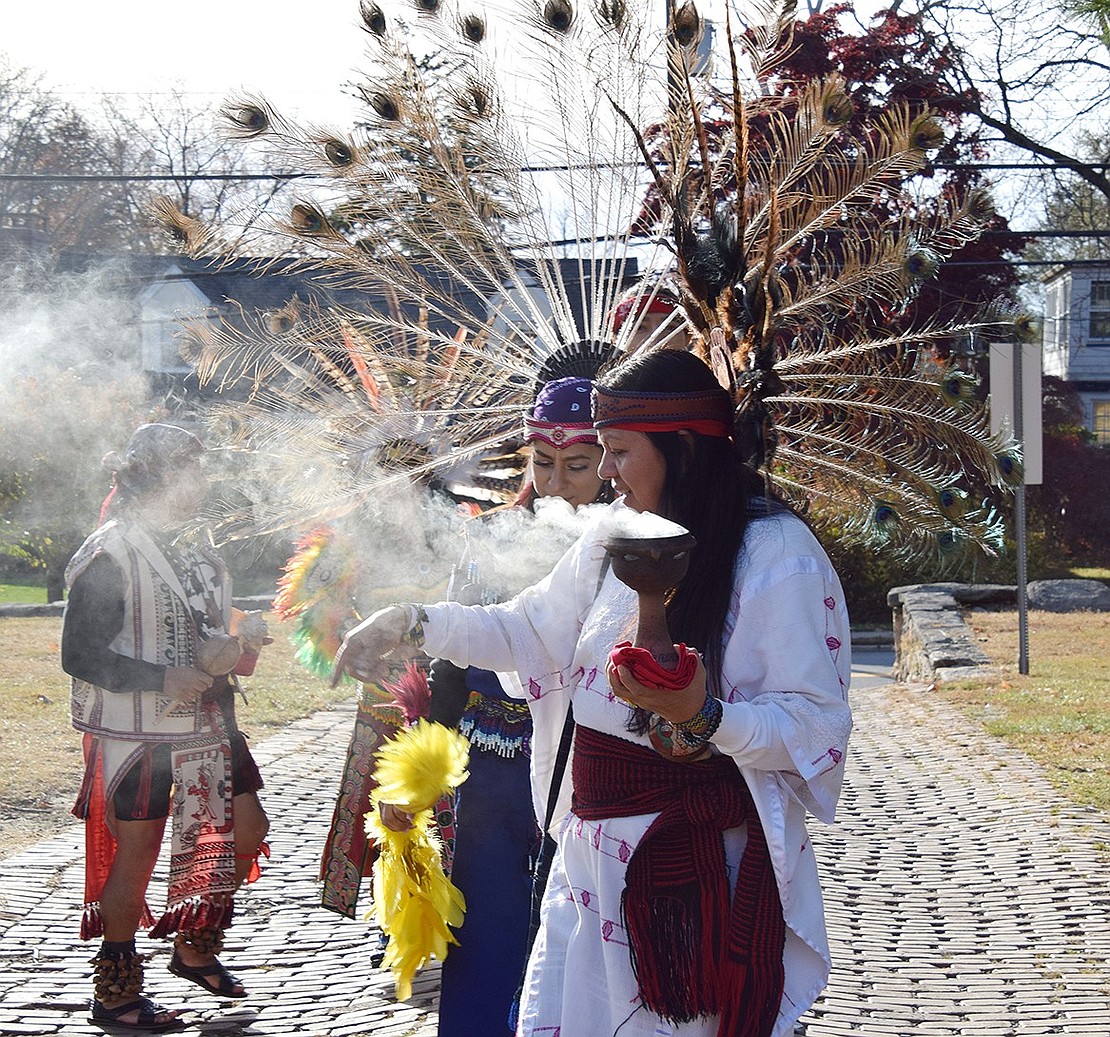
(296, 54)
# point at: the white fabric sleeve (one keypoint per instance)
(534, 633)
(787, 667)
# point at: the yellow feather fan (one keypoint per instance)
(415, 904)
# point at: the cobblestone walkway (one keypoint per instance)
(965, 899)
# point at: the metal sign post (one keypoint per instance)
(1019, 520)
(1015, 405)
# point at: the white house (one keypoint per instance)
(1077, 337)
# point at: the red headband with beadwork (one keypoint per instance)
(709, 413)
(559, 434)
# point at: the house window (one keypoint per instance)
(1100, 420)
(1099, 329)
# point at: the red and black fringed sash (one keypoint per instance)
(693, 954)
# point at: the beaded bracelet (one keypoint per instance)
(414, 636)
(703, 724)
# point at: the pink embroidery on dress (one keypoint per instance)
(592, 677)
(602, 843)
(833, 643)
(836, 755)
(830, 603)
(606, 930)
(585, 898)
(534, 688)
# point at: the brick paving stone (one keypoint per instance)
(964, 896)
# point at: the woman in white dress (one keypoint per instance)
(684, 898)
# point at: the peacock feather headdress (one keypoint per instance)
(517, 167)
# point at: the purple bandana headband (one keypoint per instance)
(561, 415)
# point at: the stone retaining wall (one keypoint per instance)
(932, 641)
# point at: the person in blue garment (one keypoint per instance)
(496, 831)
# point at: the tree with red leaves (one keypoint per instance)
(898, 60)
(894, 62)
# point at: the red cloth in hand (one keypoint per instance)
(647, 671)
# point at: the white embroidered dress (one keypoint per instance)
(786, 724)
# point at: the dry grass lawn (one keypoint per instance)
(1059, 713)
(40, 753)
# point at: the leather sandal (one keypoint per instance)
(227, 985)
(146, 1021)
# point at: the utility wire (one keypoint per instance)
(126, 178)
(153, 177)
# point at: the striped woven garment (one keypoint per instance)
(693, 953)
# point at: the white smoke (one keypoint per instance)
(514, 548)
(628, 524)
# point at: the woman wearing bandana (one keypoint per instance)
(496, 836)
(146, 640)
(652, 312)
(684, 897)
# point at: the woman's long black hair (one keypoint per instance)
(707, 489)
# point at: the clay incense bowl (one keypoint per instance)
(651, 565)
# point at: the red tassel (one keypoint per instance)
(255, 872)
(196, 914)
(169, 922)
(92, 922)
(673, 937)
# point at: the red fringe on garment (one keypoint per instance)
(92, 923)
(195, 914)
